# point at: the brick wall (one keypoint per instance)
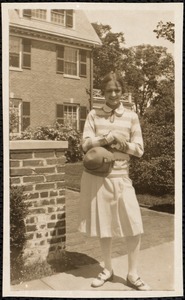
(39, 166)
(44, 88)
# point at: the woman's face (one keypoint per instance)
(112, 93)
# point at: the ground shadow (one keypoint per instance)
(168, 208)
(71, 261)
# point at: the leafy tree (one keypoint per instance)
(166, 31)
(145, 66)
(154, 172)
(110, 55)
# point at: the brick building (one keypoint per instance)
(51, 66)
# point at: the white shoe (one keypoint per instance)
(104, 276)
(138, 284)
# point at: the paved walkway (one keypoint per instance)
(155, 264)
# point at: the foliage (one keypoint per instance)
(154, 172)
(166, 31)
(109, 56)
(145, 67)
(154, 176)
(13, 119)
(57, 132)
(18, 212)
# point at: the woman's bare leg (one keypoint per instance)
(106, 248)
(133, 246)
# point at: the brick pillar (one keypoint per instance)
(39, 166)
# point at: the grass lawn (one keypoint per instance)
(161, 203)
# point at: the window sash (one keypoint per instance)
(20, 53)
(68, 114)
(83, 63)
(58, 16)
(26, 54)
(71, 61)
(40, 14)
(15, 52)
(69, 18)
(15, 113)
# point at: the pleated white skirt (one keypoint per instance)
(109, 207)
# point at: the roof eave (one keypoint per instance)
(92, 43)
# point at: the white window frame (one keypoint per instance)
(37, 18)
(20, 55)
(48, 18)
(19, 116)
(77, 113)
(57, 13)
(77, 63)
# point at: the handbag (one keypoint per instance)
(98, 161)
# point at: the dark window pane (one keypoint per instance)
(83, 70)
(26, 48)
(69, 18)
(60, 52)
(14, 60)
(60, 113)
(26, 61)
(60, 66)
(27, 13)
(25, 123)
(83, 56)
(26, 109)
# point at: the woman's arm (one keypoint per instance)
(135, 145)
(90, 140)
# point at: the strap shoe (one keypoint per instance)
(138, 284)
(104, 276)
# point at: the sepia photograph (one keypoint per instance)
(92, 137)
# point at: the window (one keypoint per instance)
(19, 53)
(19, 116)
(72, 115)
(62, 17)
(71, 61)
(57, 16)
(26, 54)
(15, 115)
(69, 18)
(15, 52)
(27, 13)
(68, 114)
(39, 14)
(83, 63)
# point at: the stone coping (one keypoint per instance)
(38, 145)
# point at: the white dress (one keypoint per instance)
(108, 205)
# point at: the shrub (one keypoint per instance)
(153, 177)
(18, 212)
(57, 132)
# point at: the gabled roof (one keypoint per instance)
(82, 31)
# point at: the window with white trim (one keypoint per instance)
(15, 109)
(72, 115)
(19, 113)
(64, 17)
(71, 61)
(68, 114)
(15, 52)
(19, 53)
(39, 14)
